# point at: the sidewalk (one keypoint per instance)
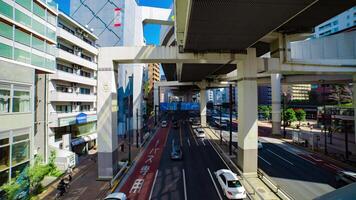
(254, 186)
(336, 150)
(85, 184)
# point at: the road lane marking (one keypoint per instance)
(180, 134)
(185, 186)
(153, 185)
(265, 160)
(216, 188)
(202, 140)
(188, 142)
(191, 132)
(219, 155)
(280, 157)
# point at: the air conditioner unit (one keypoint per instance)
(76, 48)
(75, 66)
(85, 34)
(70, 90)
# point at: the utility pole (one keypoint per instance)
(137, 132)
(230, 104)
(129, 107)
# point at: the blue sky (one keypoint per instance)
(151, 31)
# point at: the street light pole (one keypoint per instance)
(230, 104)
(137, 132)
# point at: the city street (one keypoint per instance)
(293, 172)
(191, 178)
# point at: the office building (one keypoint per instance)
(72, 90)
(336, 24)
(105, 18)
(27, 51)
(264, 95)
(299, 92)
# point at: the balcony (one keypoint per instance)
(70, 77)
(76, 40)
(58, 119)
(70, 57)
(71, 97)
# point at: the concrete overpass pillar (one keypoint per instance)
(203, 106)
(107, 121)
(247, 112)
(354, 100)
(276, 103)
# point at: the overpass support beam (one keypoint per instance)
(107, 121)
(203, 106)
(354, 99)
(247, 111)
(276, 103)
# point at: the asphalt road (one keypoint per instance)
(193, 177)
(299, 177)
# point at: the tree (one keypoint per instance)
(340, 94)
(300, 115)
(265, 111)
(289, 116)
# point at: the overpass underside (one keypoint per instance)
(215, 38)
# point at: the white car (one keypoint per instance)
(230, 184)
(164, 124)
(116, 196)
(196, 125)
(259, 144)
(199, 132)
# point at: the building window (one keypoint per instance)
(84, 91)
(4, 177)
(65, 89)
(84, 73)
(64, 108)
(20, 149)
(21, 101)
(18, 169)
(64, 68)
(4, 154)
(4, 100)
(84, 108)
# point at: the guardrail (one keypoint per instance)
(273, 186)
(121, 172)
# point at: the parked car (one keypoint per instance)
(259, 144)
(199, 132)
(230, 184)
(345, 177)
(116, 196)
(164, 124)
(191, 119)
(176, 153)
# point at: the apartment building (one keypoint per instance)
(27, 50)
(72, 90)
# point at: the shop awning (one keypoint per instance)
(84, 139)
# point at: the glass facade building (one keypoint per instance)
(27, 48)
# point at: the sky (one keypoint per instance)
(151, 31)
